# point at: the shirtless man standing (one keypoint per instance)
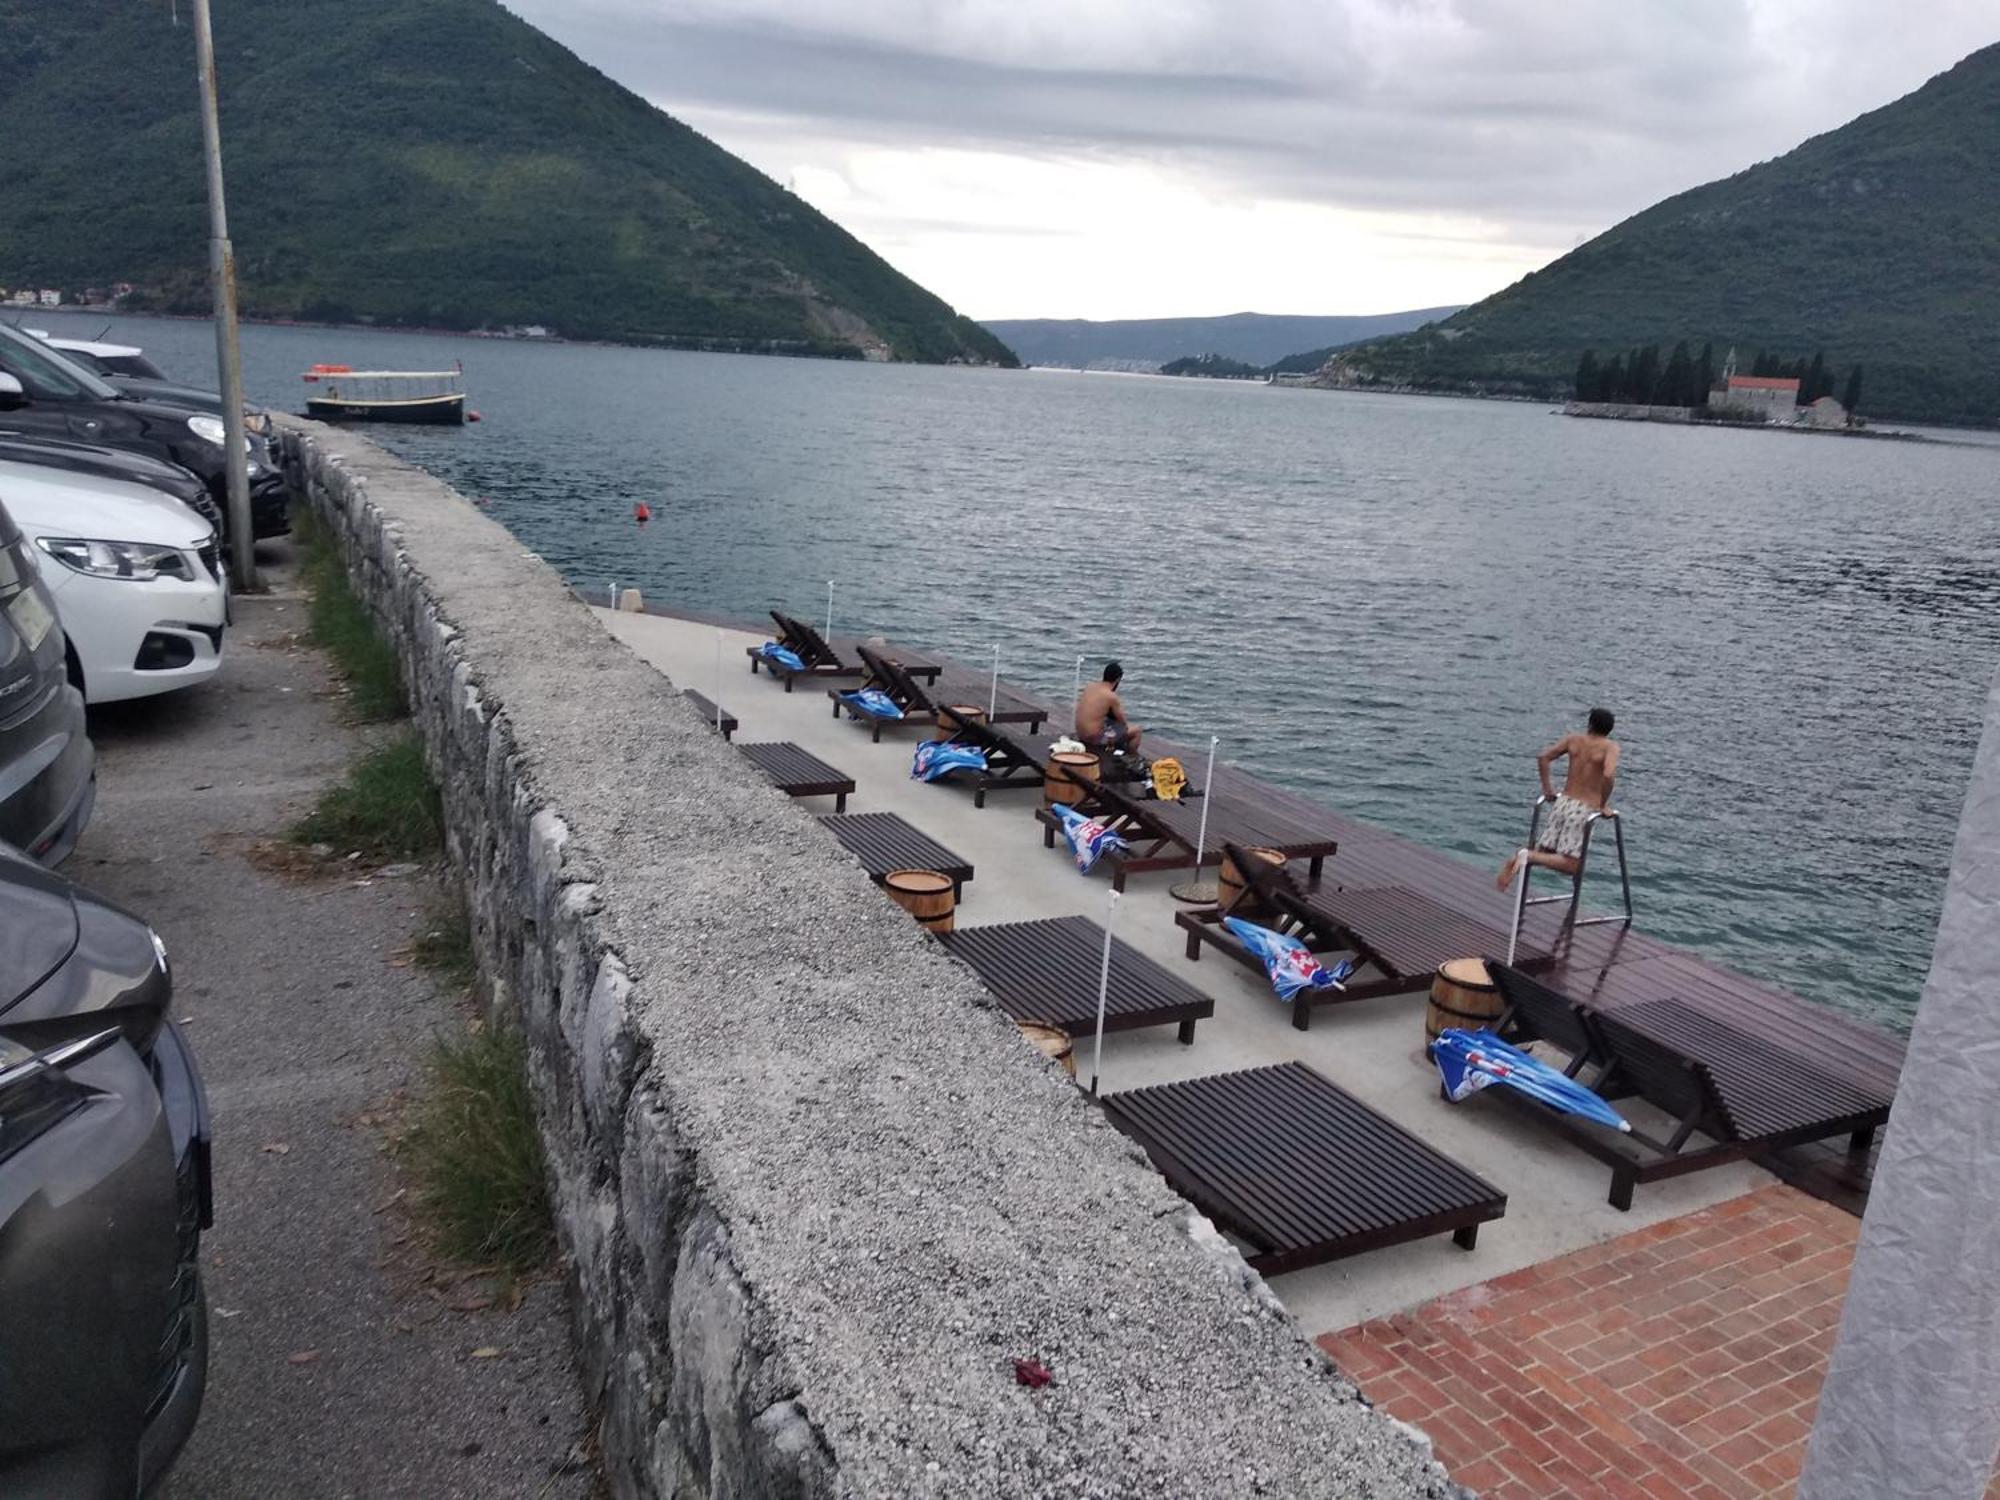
(1100, 716)
(1593, 766)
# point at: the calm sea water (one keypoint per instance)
(1390, 602)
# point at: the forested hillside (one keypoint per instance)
(435, 162)
(1878, 243)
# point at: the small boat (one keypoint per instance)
(344, 394)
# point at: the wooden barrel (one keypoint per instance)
(1068, 770)
(1463, 995)
(1232, 891)
(1052, 1042)
(925, 895)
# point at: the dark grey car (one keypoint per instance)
(47, 767)
(104, 1193)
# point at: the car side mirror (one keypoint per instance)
(11, 393)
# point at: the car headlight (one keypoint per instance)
(208, 429)
(138, 561)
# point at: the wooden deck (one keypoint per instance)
(1611, 967)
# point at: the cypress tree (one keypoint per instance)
(1611, 380)
(1817, 382)
(1586, 376)
(1677, 383)
(1704, 375)
(1852, 398)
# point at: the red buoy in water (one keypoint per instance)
(642, 512)
(473, 416)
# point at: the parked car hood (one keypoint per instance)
(38, 925)
(54, 502)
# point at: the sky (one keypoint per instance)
(1175, 158)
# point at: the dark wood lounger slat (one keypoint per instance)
(1046, 971)
(1729, 1094)
(1288, 1161)
(885, 841)
(1163, 835)
(705, 706)
(797, 772)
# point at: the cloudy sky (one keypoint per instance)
(1150, 158)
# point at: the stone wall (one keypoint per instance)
(814, 1193)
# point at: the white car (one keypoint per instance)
(137, 579)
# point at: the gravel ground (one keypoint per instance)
(343, 1360)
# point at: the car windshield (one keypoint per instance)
(45, 374)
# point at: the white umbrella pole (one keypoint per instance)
(1076, 685)
(1103, 988)
(829, 610)
(718, 682)
(1207, 784)
(993, 697)
(613, 605)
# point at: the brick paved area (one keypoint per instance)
(1683, 1360)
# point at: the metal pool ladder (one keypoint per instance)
(1522, 900)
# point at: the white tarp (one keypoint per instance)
(1911, 1405)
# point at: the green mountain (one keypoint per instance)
(1148, 343)
(426, 162)
(1878, 243)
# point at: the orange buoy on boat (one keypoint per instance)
(642, 512)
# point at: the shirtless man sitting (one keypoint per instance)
(1593, 766)
(1100, 716)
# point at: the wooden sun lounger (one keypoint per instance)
(705, 706)
(1011, 760)
(884, 841)
(920, 705)
(839, 657)
(1402, 934)
(1740, 1094)
(797, 772)
(1046, 972)
(1162, 835)
(1298, 1168)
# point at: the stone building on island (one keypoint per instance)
(1766, 396)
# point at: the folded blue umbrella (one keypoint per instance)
(1089, 840)
(1469, 1061)
(873, 702)
(784, 656)
(1288, 961)
(935, 758)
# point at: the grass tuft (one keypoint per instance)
(387, 808)
(444, 946)
(343, 628)
(476, 1157)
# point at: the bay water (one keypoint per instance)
(1388, 602)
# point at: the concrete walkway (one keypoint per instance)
(338, 1369)
(1373, 1049)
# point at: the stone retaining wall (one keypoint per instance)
(815, 1195)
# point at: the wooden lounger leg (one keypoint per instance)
(1319, 864)
(1466, 1238)
(876, 736)
(1622, 1183)
(979, 795)
(1302, 1015)
(1859, 1143)
(1187, 1033)
(1048, 836)
(788, 680)
(1194, 945)
(840, 802)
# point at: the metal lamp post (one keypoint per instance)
(222, 278)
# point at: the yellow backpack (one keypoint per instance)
(1169, 780)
